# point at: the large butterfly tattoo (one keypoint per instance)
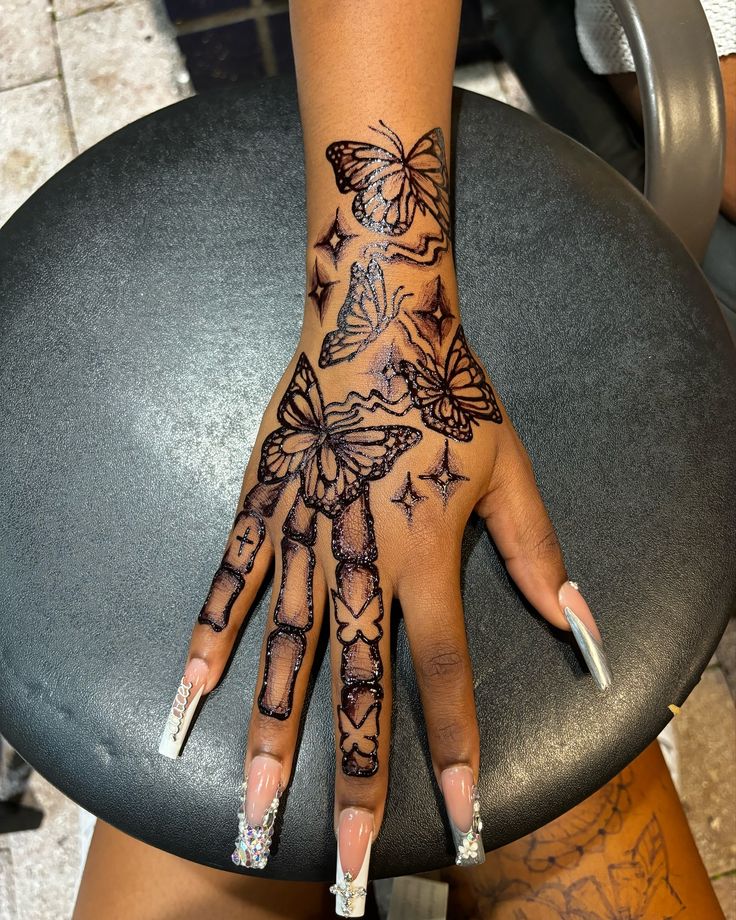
(364, 315)
(455, 397)
(389, 184)
(334, 456)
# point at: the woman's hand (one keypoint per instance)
(384, 435)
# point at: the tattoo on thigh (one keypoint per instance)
(532, 877)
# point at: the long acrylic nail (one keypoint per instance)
(463, 810)
(354, 840)
(585, 632)
(259, 804)
(186, 701)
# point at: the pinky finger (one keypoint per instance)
(248, 555)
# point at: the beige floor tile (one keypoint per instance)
(64, 9)
(726, 655)
(34, 141)
(725, 888)
(46, 862)
(512, 88)
(480, 78)
(26, 42)
(705, 735)
(119, 64)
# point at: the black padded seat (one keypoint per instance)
(151, 297)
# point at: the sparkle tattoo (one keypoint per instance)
(407, 498)
(444, 475)
(319, 292)
(335, 238)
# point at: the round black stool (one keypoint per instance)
(151, 297)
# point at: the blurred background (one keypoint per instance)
(74, 71)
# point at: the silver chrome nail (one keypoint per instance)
(591, 649)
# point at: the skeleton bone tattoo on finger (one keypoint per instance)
(336, 451)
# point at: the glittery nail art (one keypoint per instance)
(469, 845)
(253, 843)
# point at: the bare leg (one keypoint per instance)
(125, 879)
(625, 852)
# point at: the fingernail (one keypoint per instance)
(182, 711)
(354, 839)
(257, 813)
(463, 810)
(585, 632)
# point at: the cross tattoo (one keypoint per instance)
(243, 540)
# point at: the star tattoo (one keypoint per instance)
(335, 237)
(434, 317)
(444, 475)
(320, 290)
(407, 498)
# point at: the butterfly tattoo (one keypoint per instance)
(334, 456)
(363, 317)
(364, 624)
(455, 397)
(389, 184)
(362, 737)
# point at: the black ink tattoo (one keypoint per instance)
(434, 317)
(248, 530)
(389, 186)
(364, 315)
(407, 498)
(444, 475)
(455, 397)
(319, 292)
(336, 457)
(562, 844)
(638, 888)
(294, 613)
(335, 238)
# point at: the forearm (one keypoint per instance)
(362, 66)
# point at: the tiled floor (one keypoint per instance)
(70, 74)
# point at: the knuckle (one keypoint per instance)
(449, 733)
(546, 546)
(442, 662)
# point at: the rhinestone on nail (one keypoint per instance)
(347, 892)
(253, 843)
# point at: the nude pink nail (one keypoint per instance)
(259, 804)
(264, 778)
(354, 839)
(463, 810)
